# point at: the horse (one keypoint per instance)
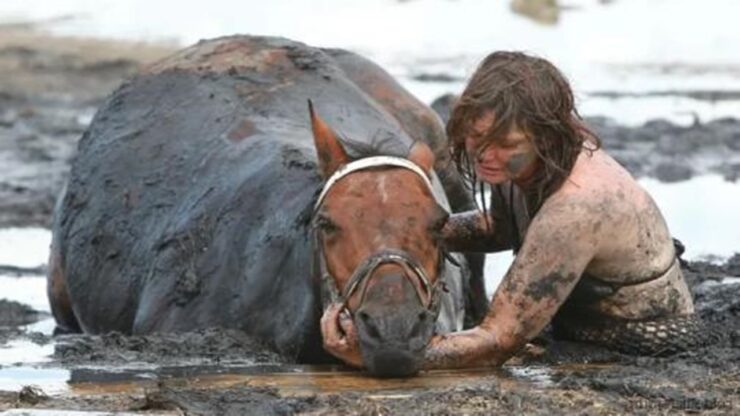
(207, 192)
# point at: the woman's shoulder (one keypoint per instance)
(600, 188)
(597, 175)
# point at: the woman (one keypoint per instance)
(593, 253)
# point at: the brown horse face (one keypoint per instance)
(375, 211)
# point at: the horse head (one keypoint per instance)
(377, 225)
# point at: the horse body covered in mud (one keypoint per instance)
(192, 203)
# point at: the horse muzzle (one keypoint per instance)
(394, 330)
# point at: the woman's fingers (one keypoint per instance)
(330, 329)
(340, 336)
(348, 327)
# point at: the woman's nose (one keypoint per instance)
(487, 155)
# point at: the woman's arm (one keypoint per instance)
(560, 243)
(474, 231)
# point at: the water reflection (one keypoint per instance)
(50, 380)
(704, 213)
(297, 379)
(24, 247)
(25, 351)
(29, 291)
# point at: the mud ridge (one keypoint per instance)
(208, 346)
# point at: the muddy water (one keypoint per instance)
(295, 380)
(288, 380)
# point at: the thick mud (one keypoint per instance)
(16, 314)
(207, 347)
(225, 372)
(49, 90)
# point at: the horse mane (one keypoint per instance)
(382, 143)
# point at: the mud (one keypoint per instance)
(207, 347)
(225, 372)
(16, 314)
(49, 90)
(47, 98)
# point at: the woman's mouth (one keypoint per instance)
(487, 171)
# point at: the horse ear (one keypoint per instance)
(423, 156)
(328, 147)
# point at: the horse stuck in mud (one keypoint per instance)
(206, 194)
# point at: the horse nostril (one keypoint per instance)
(420, 326)
(364, 317)
(370, 328)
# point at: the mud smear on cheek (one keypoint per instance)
(518, 163)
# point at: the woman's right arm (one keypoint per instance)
(474, 231)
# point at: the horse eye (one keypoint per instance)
(325, 224)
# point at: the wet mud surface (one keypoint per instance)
(213, 346)
(225, 372)
(49, 90)
(16, 314)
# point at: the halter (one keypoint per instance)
(360, 277)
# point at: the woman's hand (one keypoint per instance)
(340, 335)
(473, 231)
(471, 348)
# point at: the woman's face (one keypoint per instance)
(510, 157)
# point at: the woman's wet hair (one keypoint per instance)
(531, 94)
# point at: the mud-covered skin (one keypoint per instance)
(189, 202)
(510, 157)
(472, 231)
(599, 223)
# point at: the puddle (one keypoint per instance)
(30, 291)
(50, 380)
(701, 212)
(538, 376)
(297, 381)
(24, 351)
(24, 247)
(44, 326)
(289, 380)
